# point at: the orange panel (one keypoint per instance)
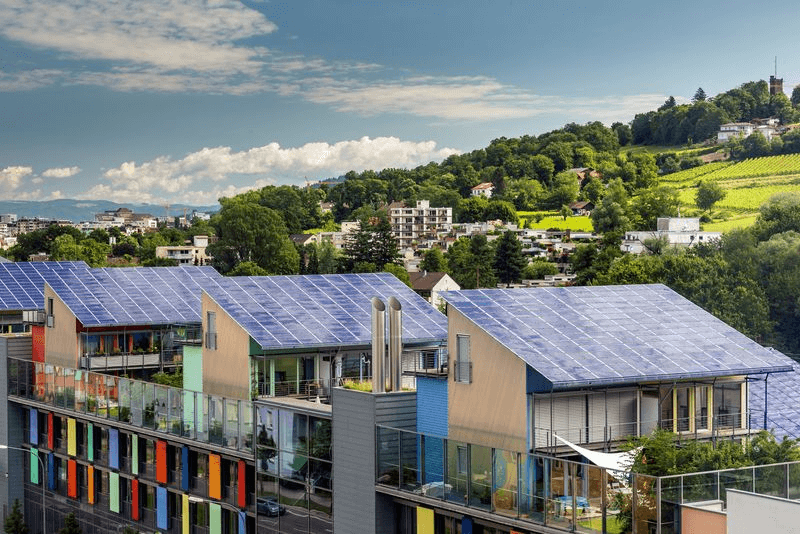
(214, 476)
(51, 439)
(135, 499)
(161, 462)
(72, 479)
(37, 339)
(90, 477)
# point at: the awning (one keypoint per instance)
(614, 461)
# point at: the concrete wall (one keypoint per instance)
(703, 520)
(355, 414)
(226, 370)
(750, 512)
(492, 410)
(61, 342)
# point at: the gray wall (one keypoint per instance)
(750, 512)
(355, 414)
(12, 471)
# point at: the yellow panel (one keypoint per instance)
(185, 514)
(72, 448)
(424, 521)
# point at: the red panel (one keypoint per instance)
(72, 479)
(37, 339)
(90, 477)
(242, 486)
(51, 439)
(161, 462)
(135, 499)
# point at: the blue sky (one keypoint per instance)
(186, 101)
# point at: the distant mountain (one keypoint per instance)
(84, 210)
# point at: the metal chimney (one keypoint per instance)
(395, 344)
(378, 345)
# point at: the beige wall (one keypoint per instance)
(492, 410)
(60, 342)
(226, 370)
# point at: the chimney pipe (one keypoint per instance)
(378, 345)
(395, 344)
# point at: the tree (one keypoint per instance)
(699, 96)
(508, 258)
(328, 258)
(708, 194)
(795, 100)
(372, 242)
(538, 269)
(15, 521)
(247, 268)
(653, 203)
(71, 525)
(471, 262)
(611, 215)
(565, 212)
(433, 261)
(780, 214)
(249, 232)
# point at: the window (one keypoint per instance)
(463, 368)
(462, 460)
(211, 330)
(50, 315)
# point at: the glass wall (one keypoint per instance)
(206, 418)
(294, 463)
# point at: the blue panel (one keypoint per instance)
(51, 471)
(22, 284)
(185, 468)
(34, 425)
(161, 508)
(605, 335)
(466, 525)
(322, 310)
(113, 448)
(242, 522)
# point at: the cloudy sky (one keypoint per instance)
(190, 100)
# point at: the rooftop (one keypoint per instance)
(613, 335)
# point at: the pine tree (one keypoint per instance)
(15, 522)
(699, 95)
(508, 259)
(71, 525)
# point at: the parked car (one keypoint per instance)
(270, 507)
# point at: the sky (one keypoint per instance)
(168, 101)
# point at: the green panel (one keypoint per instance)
(193, 368)
(113, 492)
(134, 454)
(255, 348)
(90, 443)
(34, 466)
(214, 519)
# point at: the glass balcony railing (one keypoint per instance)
(558, 493)
(180, 412)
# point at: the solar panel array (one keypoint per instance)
(577, 336)
(782, 391)
(134, 295)
(22, 284)
(286, 312)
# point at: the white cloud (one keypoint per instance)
(164, 178)
(168, 35)
(61, 172)
(11, 177)
(28, 80)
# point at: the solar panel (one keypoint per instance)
(780, 395)
(287, 312)
(578, 336)
(22, 283)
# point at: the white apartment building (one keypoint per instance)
(411, 225)
(679, 231)
(194, 254)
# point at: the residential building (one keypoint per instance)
(8, 218)
(730, 130)
(483, 189)
(194, 254)
(678, 232)
(428, 285)
(411, 225)
(582, 207)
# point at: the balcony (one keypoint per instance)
(120, 361)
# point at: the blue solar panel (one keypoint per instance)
(22, 284)
(782, 393)
(578, 336)
(282, 312)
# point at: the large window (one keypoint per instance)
(463, 368)
(211, 330)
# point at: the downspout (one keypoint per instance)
(766, 399)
